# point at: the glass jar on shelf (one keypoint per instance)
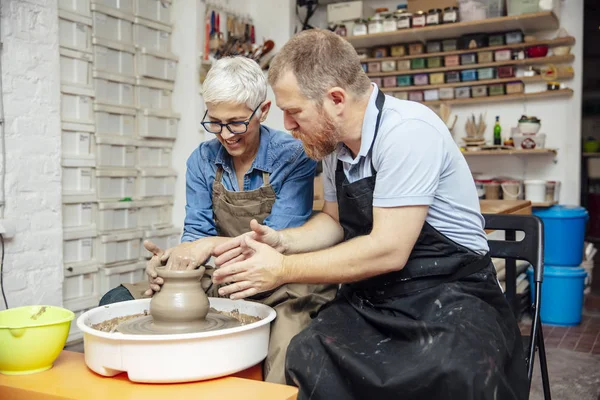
(360, 27)
(390, 23)
(376, 21)
(419, 19)
(434, 16)
(450, 15)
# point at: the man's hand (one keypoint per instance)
(235, 250)
(154, 282)
(262, 270)
(188, 255)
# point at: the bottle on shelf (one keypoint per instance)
(497, 132)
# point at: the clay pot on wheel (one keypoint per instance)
(181, 303)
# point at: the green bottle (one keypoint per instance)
(497, 133)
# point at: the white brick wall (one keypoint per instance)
(31, 82)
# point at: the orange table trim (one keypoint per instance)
(70, 378)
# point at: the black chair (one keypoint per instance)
(530, 249)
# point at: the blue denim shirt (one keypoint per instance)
(291, 173)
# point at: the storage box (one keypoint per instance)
(81, 281)
(437, 78)
(401, 95)
(75, 67)
(403, 65)
(518, 7)
(473, 41)
(416, 48)
(486, 73)
(159, 124)
(462, 92)
(514, 87)
(398, 50)
(479, 91)
(115, 151)
(155, 10)
(450, 45)
(348, 11)
(380, 52)
(125, 6)
(165, 238)
(77, 141)
(496, 39)
(417, 63)
(114, 90)
(388, 66)
(155, 64)
(434, 46)
(118, 216)
(389, 81)
(76, 104)
(502, 55)
(115, 121)
(156, 153)
(507, 71)
(77, 180)
(485, 57)
(156, 182)
(452, 61)
(155, 213)
(434, 62)
(79, 212)
(421, 79)
(374, 67)
(514, 37)
(468, 75)
(114, 57)
(477, 10)
(81, 7)
(415, 96)
(468, 59)
(119, 247)
(152, 35)
(404, 80)
(111, 277)
(378, 81)
(75, 31)
(112, 24)
(153, 94)
(431, 95)
(78, 245)
(116, 183)
(496, 90)
(446, 93)
(452, 77)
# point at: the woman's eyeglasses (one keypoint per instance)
(236, 127)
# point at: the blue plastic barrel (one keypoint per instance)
(564, 234)
(562, 295)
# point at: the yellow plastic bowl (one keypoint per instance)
(32, 337)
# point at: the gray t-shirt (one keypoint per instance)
(417, 163)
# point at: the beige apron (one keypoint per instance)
(294, 303)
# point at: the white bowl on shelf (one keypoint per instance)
(529, 128)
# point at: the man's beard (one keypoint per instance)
(322, 141)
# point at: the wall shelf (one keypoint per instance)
(524, 79)
(591, 155)
(566, 41)
(509, 152)
(540, 21)
(507, 97)
(527, 61)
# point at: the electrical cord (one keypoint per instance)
(2, 272)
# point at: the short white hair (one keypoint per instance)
(236, 79)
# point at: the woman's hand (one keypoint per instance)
(189, 255)
(235, 249)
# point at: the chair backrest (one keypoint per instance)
(530, 249)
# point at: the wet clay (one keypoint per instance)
(181, 306)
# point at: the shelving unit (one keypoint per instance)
(507, 97)
(524, 79)
(533, 152)
(527, 22)
(566, 41)
(525, 62)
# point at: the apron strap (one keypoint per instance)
(219, 174)
(265, 178)
(379, 103)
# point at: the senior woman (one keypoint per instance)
(247, 171)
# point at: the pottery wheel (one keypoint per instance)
(146, 325)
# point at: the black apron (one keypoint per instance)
(440, 328)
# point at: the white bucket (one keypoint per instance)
(535, 191)
(511, 190)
